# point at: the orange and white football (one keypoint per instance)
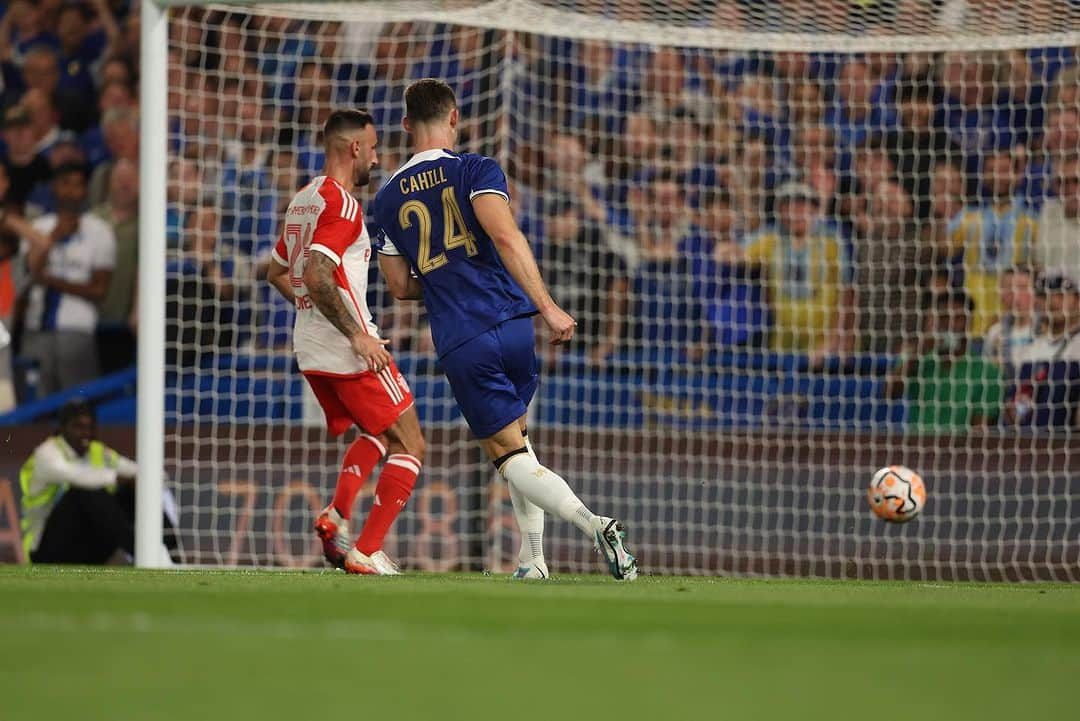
(896, 494)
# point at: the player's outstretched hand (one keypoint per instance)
(372, 350)
(560, 323)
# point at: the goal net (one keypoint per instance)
(802, 240)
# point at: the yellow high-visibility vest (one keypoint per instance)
(36, 507)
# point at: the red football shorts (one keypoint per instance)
(372, 401)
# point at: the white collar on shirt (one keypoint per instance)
(421, 157)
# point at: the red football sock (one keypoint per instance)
(359, 461)
(395, 484)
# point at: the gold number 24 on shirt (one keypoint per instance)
(455, 234)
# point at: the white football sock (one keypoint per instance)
(530, 519)
(548, 490)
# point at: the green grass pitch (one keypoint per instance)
(197, 645)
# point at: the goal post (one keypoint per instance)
(764, 215)
(150, 390)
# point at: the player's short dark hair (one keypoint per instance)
(342, 121)
(428, 99)
(74, 408)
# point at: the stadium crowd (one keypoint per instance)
(923, 206)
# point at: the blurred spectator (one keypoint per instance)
(249, 221)
(807, 271)
(25, 167)
(570, 170)
(13, 281)
(998, 233)
(71, 272)
(304, 119)
(178, 82)
(389, 76)
(871, 165)
(1065, 90)
(1008, 339)
(476, 81)
(946, 203)
(666, 314)
(120, 127)
(948, 387)
(64, 152)
(629, 163)
(603, 88)
(1047, 392)
(586, 277)
(204, 292)
(314, 96)
(978, 107)
(81, 50)
(815, 162)
(120, 211)
(805, 104)
(1058, 244)
(114, 94)
(275, 319)
(752, 181)
(116, 70)
(182, 194)
(200, 130)
(43, 120)
(759, 112)
(859, 108)
(918, 144)
(685, 144)
(1060, 144)
(887, 251)
(1062, 138)
(715, 216)
(41, 71)
(666, 89)
(187, 33)
(22, 27)
(736, 307)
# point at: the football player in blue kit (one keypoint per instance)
(447, 236)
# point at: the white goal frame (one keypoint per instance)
(511, 15)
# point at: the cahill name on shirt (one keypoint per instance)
(422, 181)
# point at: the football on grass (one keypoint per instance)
(896, 494)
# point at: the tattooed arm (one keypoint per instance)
(319, 279)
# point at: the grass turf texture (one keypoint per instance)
(131, 644)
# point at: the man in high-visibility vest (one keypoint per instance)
(78, 495)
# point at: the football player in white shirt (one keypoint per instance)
(320, 264)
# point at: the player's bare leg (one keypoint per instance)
(548, 490)
(332, 525)
(404, 460)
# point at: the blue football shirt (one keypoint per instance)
(424, 212)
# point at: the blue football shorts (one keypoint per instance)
(494, 375)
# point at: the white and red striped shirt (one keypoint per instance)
(324, 218)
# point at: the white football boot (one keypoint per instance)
(535, 568)
(610, 541)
